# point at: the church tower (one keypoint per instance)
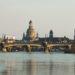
(51, 35)
(74, 33)
(31, 34)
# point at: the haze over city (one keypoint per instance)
(58, 15)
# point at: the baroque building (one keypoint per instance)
(31, 34)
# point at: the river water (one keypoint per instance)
(21, 63)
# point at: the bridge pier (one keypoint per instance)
(46, 50)
(8, 49)
(45, 47)
(28, 48)
(4, 49)
(70, 47)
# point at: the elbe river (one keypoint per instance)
(36, 63)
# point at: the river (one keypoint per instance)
(21, 63)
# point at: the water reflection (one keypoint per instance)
(35, 67)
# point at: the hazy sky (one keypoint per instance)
(58, 15)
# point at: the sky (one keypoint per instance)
(56, 15)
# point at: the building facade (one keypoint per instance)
(32, 36)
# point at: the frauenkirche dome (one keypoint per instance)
(31, 33)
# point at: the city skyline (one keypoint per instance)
(46, 15)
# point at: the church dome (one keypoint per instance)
(31, 33)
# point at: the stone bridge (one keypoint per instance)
(30, 47)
